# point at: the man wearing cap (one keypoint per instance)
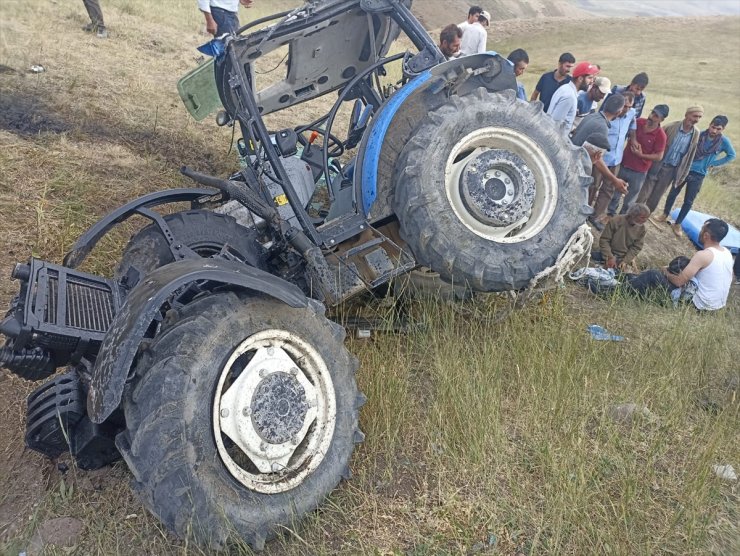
(602, 190)
(648, 146)
(551, 81)
(589, 100)
(683, 137)
(564, 101)
(449, 41)
(711, 144)
(475, 37)
(473, 14)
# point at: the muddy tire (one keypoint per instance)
(205, 232)
(242, 417)
(489, 190)
(425, 283)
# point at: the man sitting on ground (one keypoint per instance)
(711, 268)
(623, 238)
(449, 41)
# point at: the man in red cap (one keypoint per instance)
(564, 103)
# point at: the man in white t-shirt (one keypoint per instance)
(475, 37)
(711, 268)
(473, 14)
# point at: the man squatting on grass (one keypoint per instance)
(711, 144)
(623, 238)
(222, 16)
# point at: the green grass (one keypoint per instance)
(487, 430)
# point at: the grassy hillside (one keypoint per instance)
(488, 430)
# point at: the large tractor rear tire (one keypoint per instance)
(241, 417)
(489, 190)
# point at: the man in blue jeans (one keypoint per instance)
(222, 16)
(711, 144)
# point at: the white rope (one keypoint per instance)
(578, 245)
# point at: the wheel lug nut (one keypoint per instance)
(270, 351)
(246, 412)
(294, 440)
(263, 373)
(294, 371)
(263, 447)
(224, 413)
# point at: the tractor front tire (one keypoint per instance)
(241, 417)
(489, 190)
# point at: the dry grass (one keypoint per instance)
(482, 435)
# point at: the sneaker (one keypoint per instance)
(89, 28)
(661, 218)
(677, 231)
(102, 33)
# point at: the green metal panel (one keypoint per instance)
(198, 91)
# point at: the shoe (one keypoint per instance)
(661, 218)
(102, 33)
(677, 231)
(737, 281)
(89, 28)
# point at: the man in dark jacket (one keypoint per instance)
(622, 238)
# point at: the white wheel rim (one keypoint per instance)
(271, 459)
(540, 208)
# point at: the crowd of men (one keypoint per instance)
(635, 159)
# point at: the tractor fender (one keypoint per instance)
(394, 124)
(142, 306)
(90, 238)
